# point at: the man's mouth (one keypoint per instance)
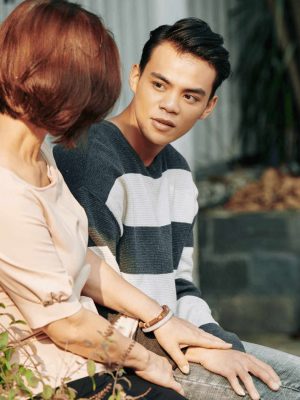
(166, 122)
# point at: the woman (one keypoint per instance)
(59, 72)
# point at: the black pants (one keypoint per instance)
(139, 386)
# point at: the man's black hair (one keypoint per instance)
(194, 36)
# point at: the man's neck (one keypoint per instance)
(127, 123)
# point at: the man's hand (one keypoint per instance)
(235, 365)
(178, 333)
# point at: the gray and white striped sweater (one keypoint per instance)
(140, 218)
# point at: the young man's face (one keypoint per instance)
(171, 94)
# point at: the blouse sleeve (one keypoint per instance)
(30, 270)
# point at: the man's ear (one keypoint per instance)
(210, 107)
(134, 77)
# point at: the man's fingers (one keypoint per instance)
(249, 384)
(235, 384)
(270, 377)
(265, 373)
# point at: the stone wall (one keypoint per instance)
(250, 269)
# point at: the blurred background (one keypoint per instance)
(245, 158)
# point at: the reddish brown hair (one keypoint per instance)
(59, 67)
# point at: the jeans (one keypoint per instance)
(202, 384)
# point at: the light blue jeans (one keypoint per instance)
(201, 384)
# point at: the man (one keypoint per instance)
(141, 202)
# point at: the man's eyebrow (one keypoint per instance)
(199, 91)
(161, 77)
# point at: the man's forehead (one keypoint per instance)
(185, 68)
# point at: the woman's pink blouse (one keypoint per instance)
(43, 244)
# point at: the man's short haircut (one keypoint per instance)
(194, 36)
(59, 67)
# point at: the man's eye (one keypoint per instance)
(158, 85)
(190, 98)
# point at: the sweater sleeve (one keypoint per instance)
(104, 227)
(191, 306)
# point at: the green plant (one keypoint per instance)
(18, 380)
(268, 73)
(15, 379)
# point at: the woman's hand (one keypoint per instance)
(235, 365)
(158, 370)
(178, 333)
(80, 334)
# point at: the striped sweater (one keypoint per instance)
(140, 218)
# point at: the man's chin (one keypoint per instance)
(160, 140)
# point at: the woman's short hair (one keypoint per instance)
(59, 67)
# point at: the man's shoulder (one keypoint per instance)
(98, 147)
(174, 159)
(103, 131)
(103, 136)
(98, 160)
(93, 162)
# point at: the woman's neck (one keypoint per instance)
(20, 139)
(20, 150)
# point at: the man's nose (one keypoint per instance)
(170, 103)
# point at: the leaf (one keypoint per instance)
(8, 315)
(72, 393)
(19, 380)
(31, 379)
(2, 305)
(18, 321)
(47, 392)
(11, 394)
(112, 397)
(8, 354)
(7, 365)
(3, 339)
(91, 368)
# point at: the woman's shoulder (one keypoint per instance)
(15, 190)
(16, 198)
(11, 183)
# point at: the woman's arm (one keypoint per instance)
(108, 288)
(40, 286)
(84, 333)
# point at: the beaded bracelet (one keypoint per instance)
(157, 322)
(127, 352)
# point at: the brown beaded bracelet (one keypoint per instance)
(164, 312)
